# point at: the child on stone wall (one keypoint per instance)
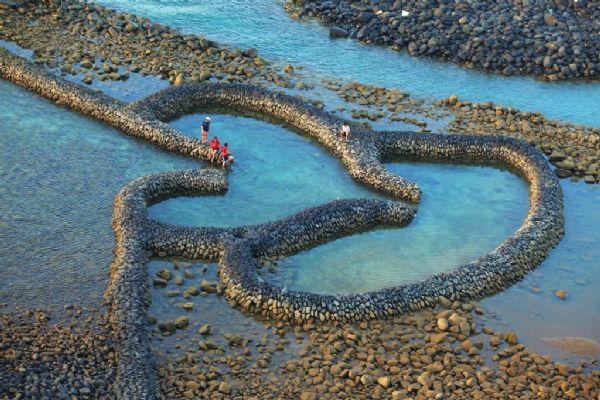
(226, 157)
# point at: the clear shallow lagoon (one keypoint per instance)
(59, 174)
(465, 211)
(263, 24)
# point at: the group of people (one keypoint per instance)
(216, 151)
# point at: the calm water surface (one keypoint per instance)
(59, 174)
(263, 24)
(278, 173)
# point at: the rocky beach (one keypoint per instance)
(438, 344)
(550, 39)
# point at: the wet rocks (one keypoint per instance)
(337, 32)
(572, 149)
(551, 41)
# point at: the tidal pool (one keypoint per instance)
(60, 172)
(465, 213)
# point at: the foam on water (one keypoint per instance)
(263, 24)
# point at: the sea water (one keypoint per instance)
(59, 174)
(466, 211)
(264, 25)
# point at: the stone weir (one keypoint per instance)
(137, 236)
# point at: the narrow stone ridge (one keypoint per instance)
(555, 39)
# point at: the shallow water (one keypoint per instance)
(59, 173)
(263, 24)
(573, 266)
(278, 173)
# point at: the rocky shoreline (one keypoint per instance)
(449, 352)
(552, 40)
(73, 357)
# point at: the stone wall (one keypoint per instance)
(137, 236)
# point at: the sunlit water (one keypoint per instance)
(263, 24)
(59, 174)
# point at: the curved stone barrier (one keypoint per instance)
(128, 296)
(361, 158)
(128, 293)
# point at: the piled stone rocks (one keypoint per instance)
(389, 103)
(573, 149)
(127, 295)
(551, 39)
(74, 357)
(78, 37)
(444, 353)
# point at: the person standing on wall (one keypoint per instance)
(345, 131)
(204, 130)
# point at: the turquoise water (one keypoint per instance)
(278, 173)
(263, 24)
(573, 266)
(59, 173)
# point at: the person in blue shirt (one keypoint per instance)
(205, 128)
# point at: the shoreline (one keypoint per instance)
(473, 35)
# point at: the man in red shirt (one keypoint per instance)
(214, 149)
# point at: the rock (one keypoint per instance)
(167, 326)
(192, 291)
(337, 32)
(452, 100)
(550, 19)
(438, 338)
(366, 380)
(159, 283)
(179, 79)
(224, 388)
(164, 274)
(204, 329)
(563, 173)
(208, 287)
(465, 328)
(511, 338)
(182, 322)
(442, 324)
(288, 69)
(384, 381)
(561, 294)
(250, 53)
